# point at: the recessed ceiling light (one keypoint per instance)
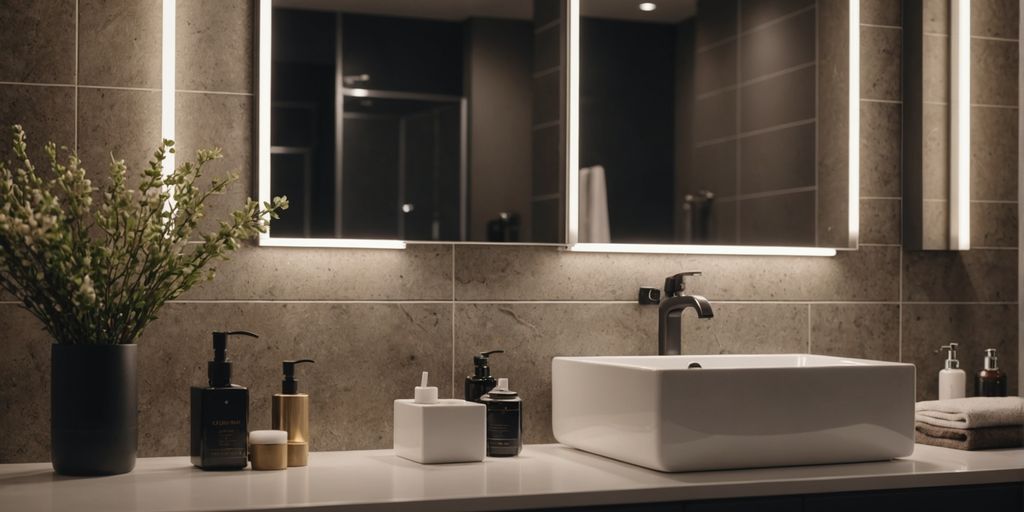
(647, 6)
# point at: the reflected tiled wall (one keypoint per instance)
(375, 319)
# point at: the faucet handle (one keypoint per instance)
(676, 284)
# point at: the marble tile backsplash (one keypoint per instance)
(374, 320)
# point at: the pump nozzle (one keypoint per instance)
(290, 386)
(219, 370)
(951, 360)
(480, 363)
(424, 394)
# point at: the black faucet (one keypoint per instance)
(670, 313)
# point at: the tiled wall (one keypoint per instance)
(374, 319)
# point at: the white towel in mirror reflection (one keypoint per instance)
(594, 226)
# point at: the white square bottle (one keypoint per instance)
(432, 431)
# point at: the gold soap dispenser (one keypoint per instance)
(290, 412)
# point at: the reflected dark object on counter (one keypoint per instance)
(503, 229)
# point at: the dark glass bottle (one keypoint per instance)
(991, 381)
(478, 384)
(220, 414)
(504, 421)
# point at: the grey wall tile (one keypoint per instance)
(546, 97)
(935, 68)
(935, 217)
(936, 16)
(350, 399)
(786, 98)
(747, 328)
(120, 43)
(786, 219)
(994, 153)
(880, 221)
(777, 160)
(48, 54)
(975, 275)
(717, 165)
(532, 334)
(715, 116)
(994, 224)
(881, 12)
(420, 272)
(224, 121)
(880, 58)
(25, 394)
(715, 68)
(547, 161)
(976, 327)
(991, 84)
(46, 113)
(758, 13)
(778, 46)
(540, 273)
(215, 46)
(868, 331)
(995, 18)
(125, 123)
(935, 151)
(880, 151)
(717, 21)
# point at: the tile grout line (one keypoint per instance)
(809, 329)
(453, 323)
(795, 302)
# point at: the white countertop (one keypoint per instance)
(543, 476)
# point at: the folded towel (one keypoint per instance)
(969, 439)
(976, 412)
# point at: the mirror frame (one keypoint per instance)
(572, 186)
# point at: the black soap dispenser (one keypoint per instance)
(478, 384)
(220, 414)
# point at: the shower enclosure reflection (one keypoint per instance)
(417, 121)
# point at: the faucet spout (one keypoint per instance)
(670, 325)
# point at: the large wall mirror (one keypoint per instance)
(715, 123)
(407, 120)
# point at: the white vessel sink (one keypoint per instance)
(736, 411)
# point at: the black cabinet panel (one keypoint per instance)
(936, 499)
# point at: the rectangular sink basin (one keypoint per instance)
(735, 411)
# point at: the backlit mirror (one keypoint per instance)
(715, 122)
(409, 120)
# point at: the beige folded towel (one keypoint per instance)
(976, 412)
(969, 439)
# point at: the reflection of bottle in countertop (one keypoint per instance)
(990, 381)
(220, 414)
(952, 380)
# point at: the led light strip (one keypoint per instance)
(167, 74)
(749, 250)
(960, 126)
(263, 149)
(572, 219)
(854, 126)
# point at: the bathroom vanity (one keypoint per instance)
(545, 477)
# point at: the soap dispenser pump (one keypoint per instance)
(478, 384)
(952, 380)
(290, 412)
(990, 381)
(220, 413)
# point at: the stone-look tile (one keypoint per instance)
(715, 117)
(935, 229)
(880, 221)
(935, 68)
(785, 219)
(781, 44)
(995, 18)
(532, 334)
(781, 99)
(122, 123)
(25, 389)
(975, 275)
(994, 225)
(880, 150)
(757, 14)
(224, 121)
(546, 98)
(935, 151)
(38, 41)
(545, 273)
(715, 68)
(993, 72)
(880, 57)
(867, 331)
(420, 272)
(936, 16)
(994, 153)
(976, 327)
(881, 12)
(226, 27)
(46, 113)
(351, 400)
(747, 328)
(776, 160)
(120, 42)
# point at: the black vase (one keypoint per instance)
(93, 409)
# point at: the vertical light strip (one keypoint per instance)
(854, 125)
(167, 73)
(960, 126)
(263, 106)
(573, 128)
